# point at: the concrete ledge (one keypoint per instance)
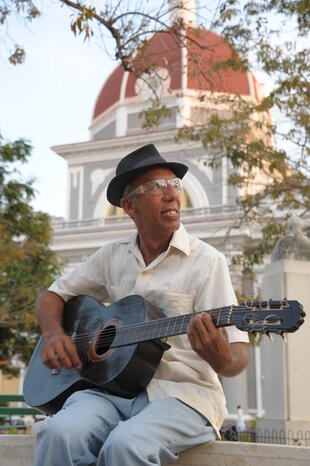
(244, 454)
(18, 450)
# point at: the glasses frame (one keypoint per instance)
(146, 187)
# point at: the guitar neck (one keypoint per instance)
(167, 327)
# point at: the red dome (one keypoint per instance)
(204, 50)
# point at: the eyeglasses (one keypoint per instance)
(156, 186)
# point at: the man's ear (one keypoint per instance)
(128, 206)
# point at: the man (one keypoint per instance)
(183, 405)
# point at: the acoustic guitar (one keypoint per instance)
(120, 351)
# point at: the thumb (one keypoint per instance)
(224, 333)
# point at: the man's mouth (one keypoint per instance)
(170, 212)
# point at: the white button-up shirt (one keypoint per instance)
(189, 276)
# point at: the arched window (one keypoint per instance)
(186, 202)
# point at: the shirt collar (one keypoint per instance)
(132, 241)
(179, 240)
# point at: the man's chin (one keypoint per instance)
(175, 225)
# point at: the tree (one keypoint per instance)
(27, 265)
(270, 156)
(276, 150)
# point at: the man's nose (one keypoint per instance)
(171, 192)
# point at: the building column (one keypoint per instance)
(286, 367)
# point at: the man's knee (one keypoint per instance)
(54, 431)
(125, 442)
(62, 431)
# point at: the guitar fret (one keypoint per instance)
(218, 317)
(182, 323)
(146, 333)
(135, 333)
(161, 328)
(178, 325)
(175, 322)
(167, 328)
(153, 329)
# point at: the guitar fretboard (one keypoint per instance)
(166, 327)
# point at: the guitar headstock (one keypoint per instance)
(268, 316)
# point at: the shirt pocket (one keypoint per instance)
(175, 303)
(116, 292)
(167, 303)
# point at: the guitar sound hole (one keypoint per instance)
(105, 340)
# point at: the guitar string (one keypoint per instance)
(106, 341)
(213, 314)
(149, 324)
(121, 331)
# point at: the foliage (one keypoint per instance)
(25, 9)
(154, 115)
(27, 265)
(278, 151)
(266, 138)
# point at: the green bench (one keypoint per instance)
(7, 411)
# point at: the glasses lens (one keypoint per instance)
(161, 184)
(176, 183)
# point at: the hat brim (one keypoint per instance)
(118, 183)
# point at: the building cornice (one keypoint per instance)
(114, 148)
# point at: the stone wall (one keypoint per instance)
(18, 450)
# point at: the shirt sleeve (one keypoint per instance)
(216, 290)
(87, 278)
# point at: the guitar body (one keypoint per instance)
(123, 371)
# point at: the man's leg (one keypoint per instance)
(155, 435)
(75, 434)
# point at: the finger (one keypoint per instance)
(66, 353)
(49, 358)
(198, 334)
(62, 356)
(224, 333)
(72, 354)
(201, 325)
(209, 325)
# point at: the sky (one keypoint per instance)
(49, 99)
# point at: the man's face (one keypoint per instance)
(156, 214)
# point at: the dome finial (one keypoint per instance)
(183, 9)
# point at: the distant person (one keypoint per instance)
(240, 425)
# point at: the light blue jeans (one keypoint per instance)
(97, 429)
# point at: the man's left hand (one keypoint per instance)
(212, 345)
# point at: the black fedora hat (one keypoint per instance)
(134, 163)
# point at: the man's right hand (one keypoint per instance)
(59, 351)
